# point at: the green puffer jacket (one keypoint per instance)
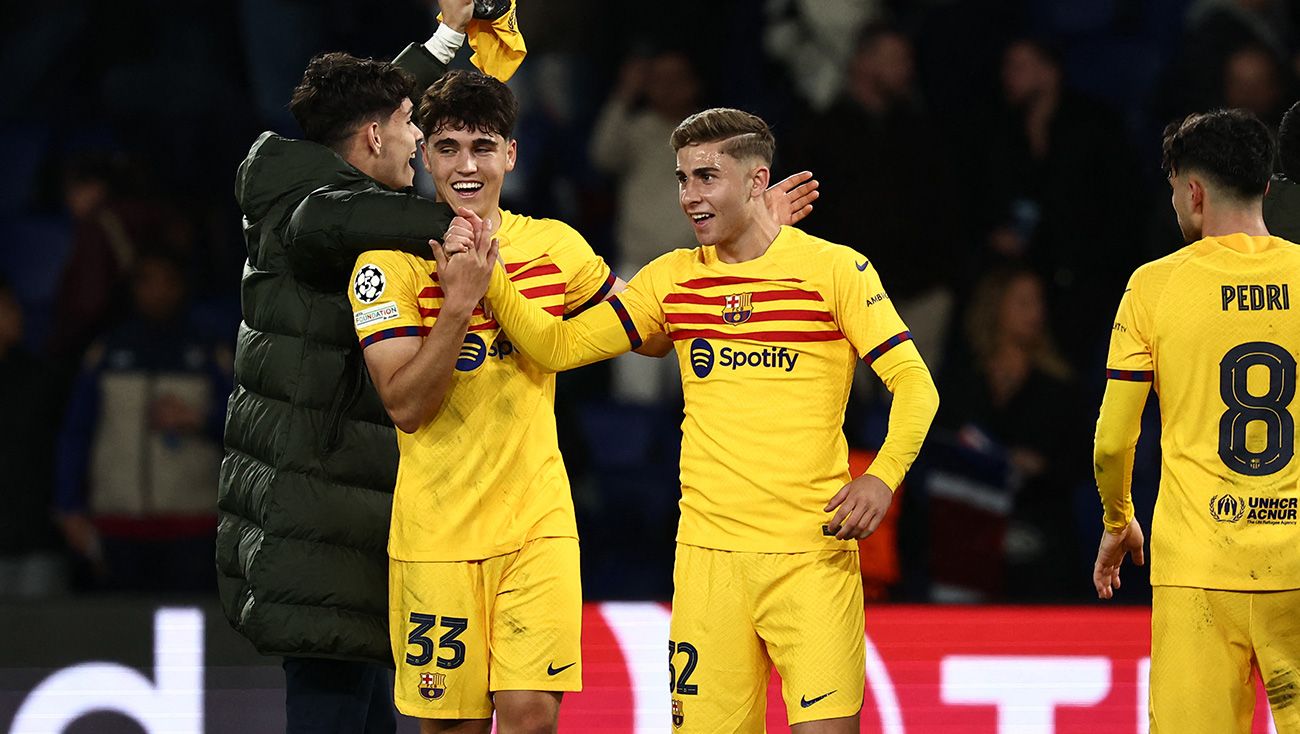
(311, 456)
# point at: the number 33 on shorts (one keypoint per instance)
(433, 686)
(421, 624)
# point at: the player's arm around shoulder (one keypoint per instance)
(332, 226)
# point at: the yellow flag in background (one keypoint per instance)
(497, 44)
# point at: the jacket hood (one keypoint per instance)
(278, 167)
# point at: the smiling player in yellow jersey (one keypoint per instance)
(1212, 327)
(483, 539)
(768, 323)
(483, 542)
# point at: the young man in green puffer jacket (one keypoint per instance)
(310, 455)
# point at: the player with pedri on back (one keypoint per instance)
(1212, 327)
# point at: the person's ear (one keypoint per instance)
(1197, 193)
(759, 180)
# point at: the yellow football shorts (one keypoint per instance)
(737, 614)
(462, 630)
(1205, 647)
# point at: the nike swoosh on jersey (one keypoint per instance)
(805, 703)
(862, 266)
(552, 670)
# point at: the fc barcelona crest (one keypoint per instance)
(737, 307)
(433, 685)
(678, 716)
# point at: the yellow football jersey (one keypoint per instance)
(767, 350)
(1212, 325)
(485, 475)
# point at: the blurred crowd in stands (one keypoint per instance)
(997, 161)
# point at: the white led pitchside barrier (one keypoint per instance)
(976, 670)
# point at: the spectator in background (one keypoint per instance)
(630, 143)
(556, 106)
(1254, 79)
(1060, 194)
(1020, 401)
(109, 224)
(1214, 31)
(31, 558)
(877, 150)
(141, 443)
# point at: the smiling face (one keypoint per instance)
(398, 141)
(468, 167)
(719, 194)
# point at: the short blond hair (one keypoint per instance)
(746, 135)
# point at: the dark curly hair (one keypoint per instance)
(339, 92)
(1230, 147)
(468, 100)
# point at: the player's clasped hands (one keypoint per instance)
(465, 259)
(862, 505)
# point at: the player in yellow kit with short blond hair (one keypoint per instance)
(1213, 328)
(768, 323)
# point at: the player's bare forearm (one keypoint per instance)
(413, 379)
(456, 13)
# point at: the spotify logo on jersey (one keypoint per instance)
(701, 358)
(763, 358)
(472, 353)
